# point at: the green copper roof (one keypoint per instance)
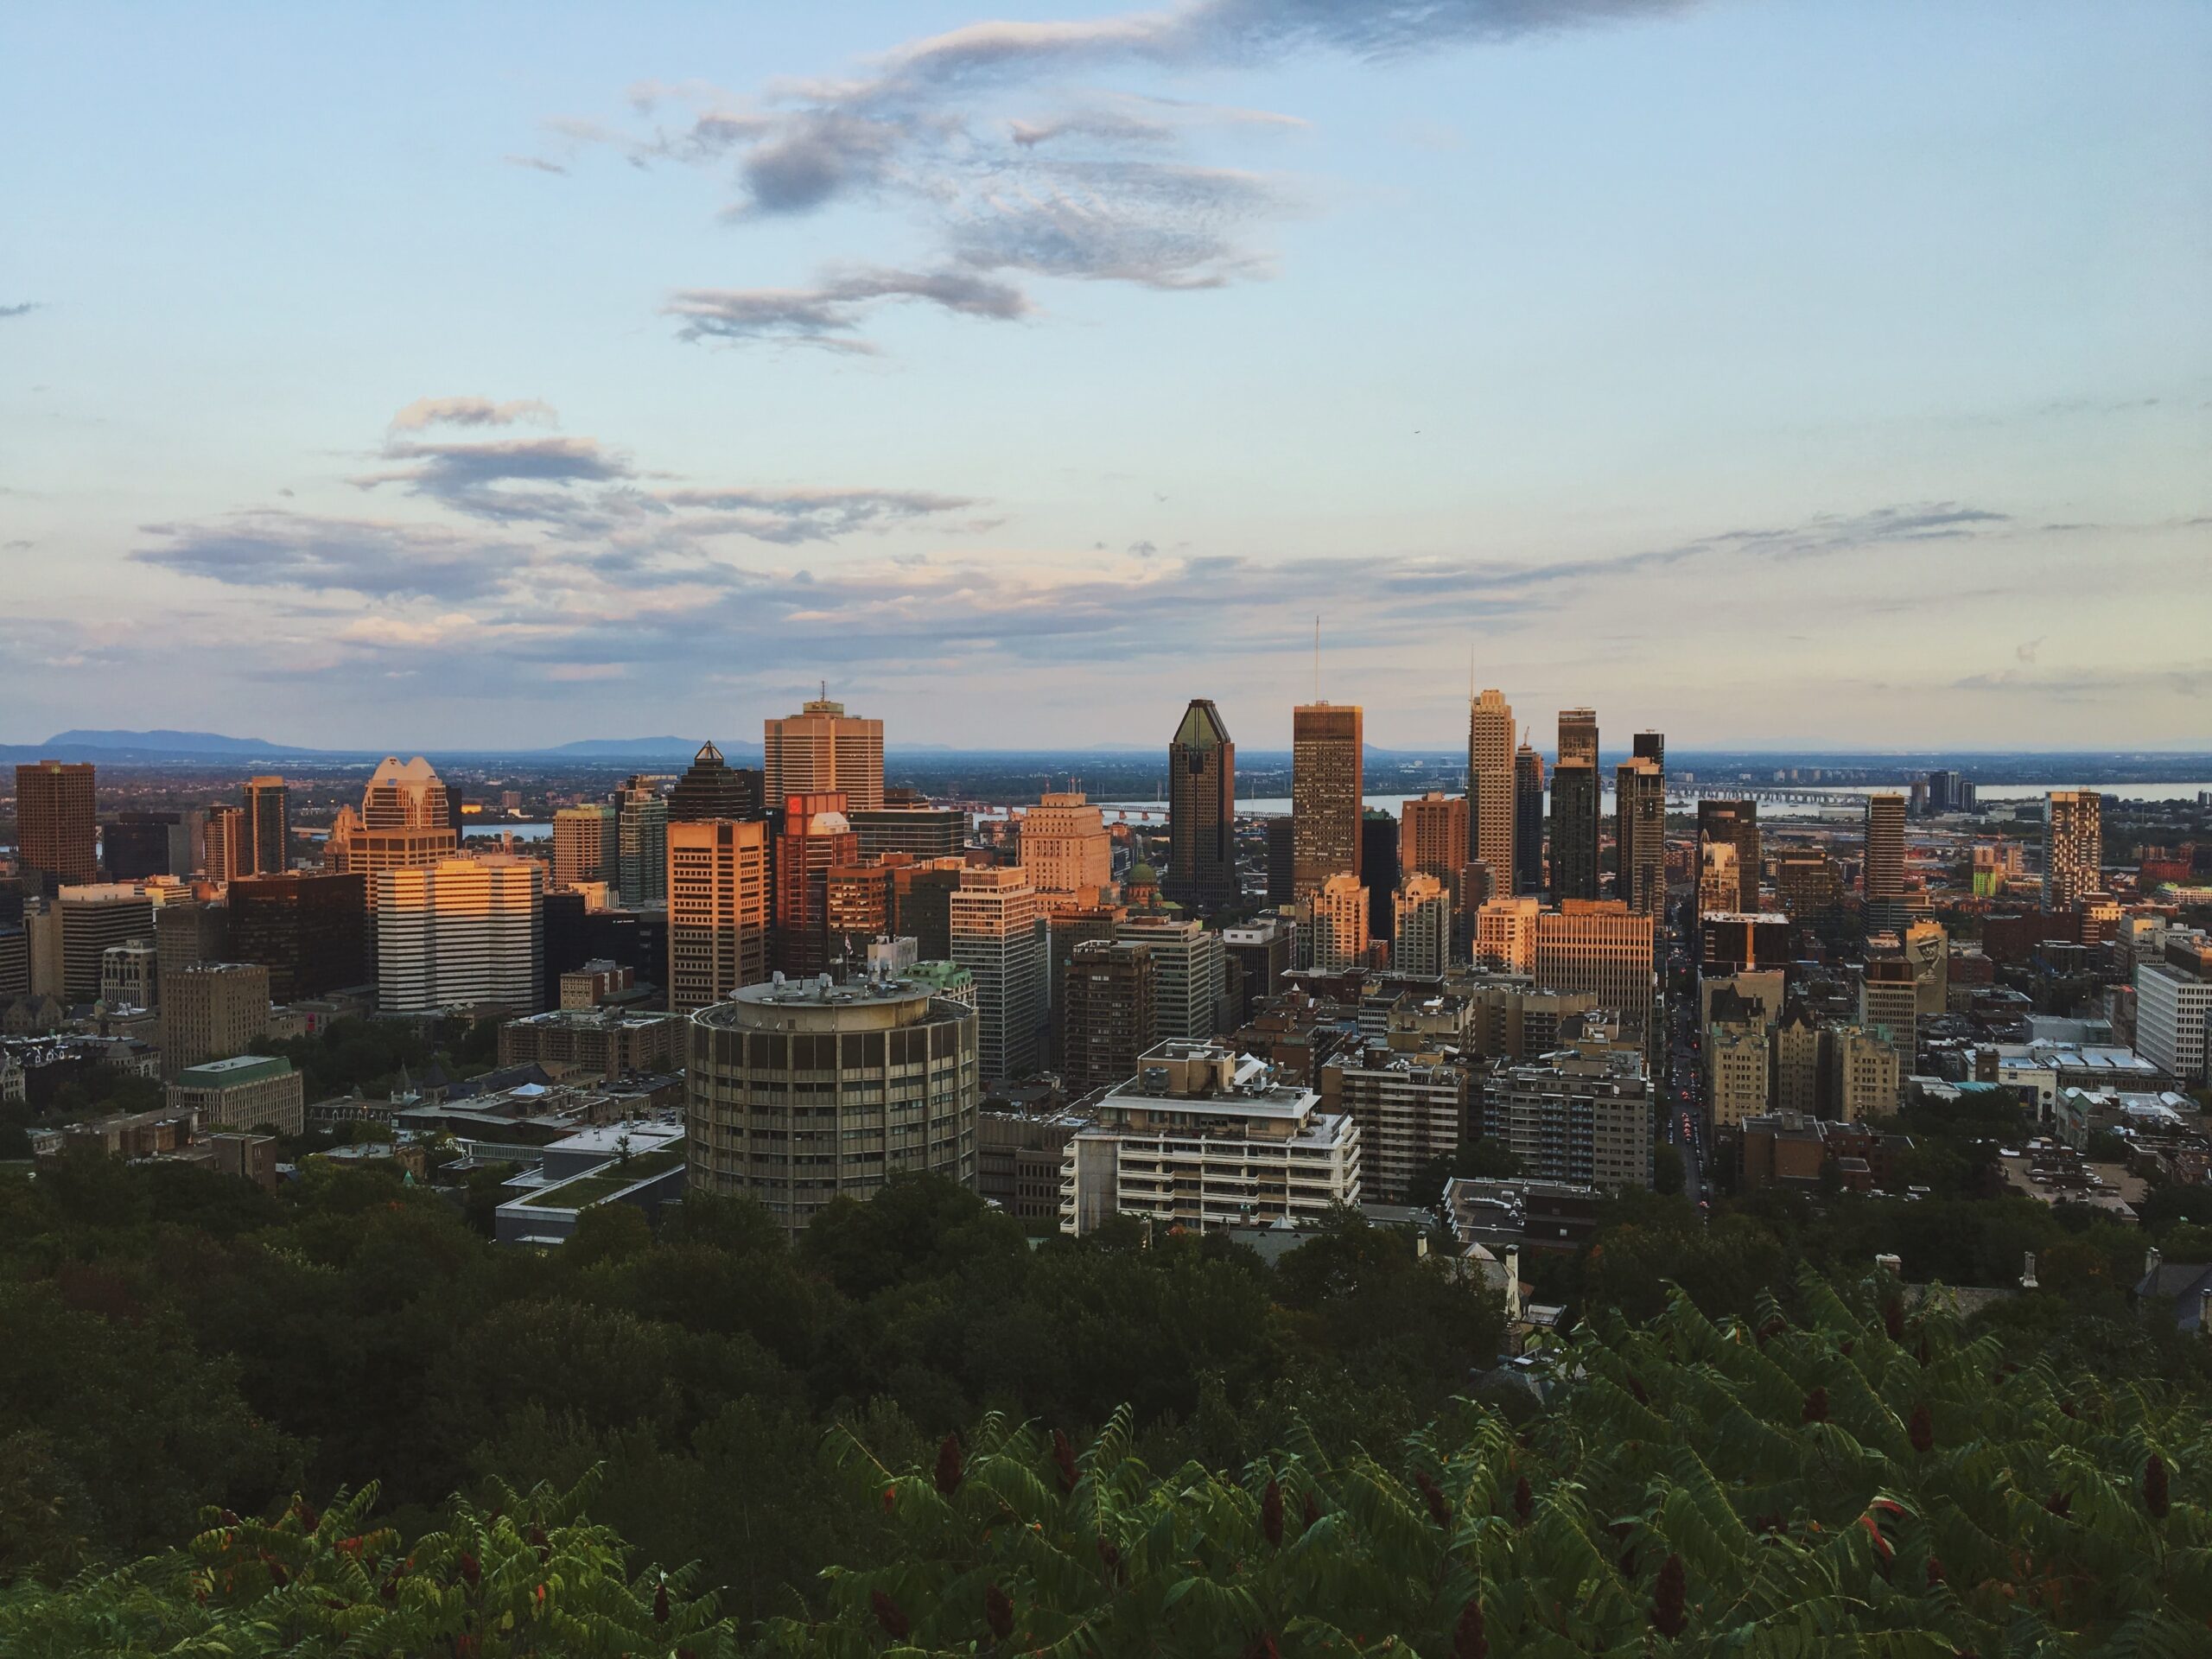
(228, 1074)
(1201, 728)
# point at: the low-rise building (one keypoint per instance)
(245, 1092)
(590, 1041)
(1018, 1159)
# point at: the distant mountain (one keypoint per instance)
(168, 742)
(657, 748)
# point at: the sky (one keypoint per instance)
(1786, 374)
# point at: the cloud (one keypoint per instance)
(2025, 651)
(2095, 685)
(22, 310)
(474, 478)
(1071, 182)
(792, 516)
(537, 162)
(828, 314)
(374, 557)
(471, 411)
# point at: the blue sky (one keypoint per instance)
(1789, 374)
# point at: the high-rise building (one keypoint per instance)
(188, 933)
(1110, 1019)
(406, 822)
(1188, 967)
(2173, 1021)
(268, 840)
(1326, 757)
(1882, 877)
(821, 750)
(1201, 874)
(1581, 1114)
(459, 933)
(308, 930)
(2073, 847)
(921, 904)
(226, 852)
(1332, 925)
(135, 845)
(1737, 1065)
(1434, 835)
(1733, 824)
(1649, 746)
(1282, 860)
(584, 846)
(860, 901)
(1491, 815)
(130, 977)
(1797, 1075)
(1505, 932)
(997, 929)
(712, 788)
(641, 845)
(1411, 1107)
(1865, 1076)
(1577, 735)
(719, 930)
(1603, 947)
(889, 1068)
(814, 837)
(1528, 821)
(90, 918)
(1072, 925)
(906, 823)
(1421, 943)
(1808, 884)
(1066, 851)
(1574, 831)
(1719, 885)
(211, 1012)
(1640, 834)
(57, 835)
(1263, 949)
(1378, 866)
(1889, 1004)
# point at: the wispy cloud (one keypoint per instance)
(23, 309)
(981, 130)
(267, 547)
(472, 412)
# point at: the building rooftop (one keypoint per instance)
(225, 1074)
(819, 991)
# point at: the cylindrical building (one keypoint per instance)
(803, 1091)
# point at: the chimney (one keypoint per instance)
(2151, 1264)
(1889, 1264)
(2028, 1272)
(2205, 1313)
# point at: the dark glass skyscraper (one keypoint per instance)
(711, 788)
(1378, 868)
(1201, 872)
(1574, 831)
(1640, 835)
(267, 848)
(1737, 823)
(1528, 821)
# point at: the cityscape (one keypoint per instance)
(1658, 1101)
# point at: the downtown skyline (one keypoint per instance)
(1788, 377)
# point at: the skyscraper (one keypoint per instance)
(310, 929)
(822, 750)
(1433, 834)
(1882, 872)
(1640, 834)
(1066, 851)
(584, 846)
(1379, 864)
(225, 851)
(712, 788)
(135, 845)
(1528, 820)
(1110, 1019)
(1282, 860)
(406, 822)
(2073, 847)
(1574, 829)
(1332, 925)
(1189, 963)
(1201, 872)
(814, 838)
(1577, 735)
(1737, 825)
(995, 937)
(718, 911)
(1326, 791)
(641, 845)
(268, 843)
(459, 932)
(1603, 948)
(211, 1012)
(1649, 746)
(1490, 815)
(56, 836)
(1422, 938)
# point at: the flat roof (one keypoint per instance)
(243, 1068)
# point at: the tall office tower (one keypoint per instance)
(1528, 821)
(1378, 865)
(585, 847)
(135, 845)
(1490, 814)
(718, 913)
(857, 907)
(1282, 860)
(129, 978)
(1882, 876)
(308, 929)
(996, 924)
(224, 851)
(821, 750)
(268, 840)
(461, 933)
(641, 846)
(1189, 969)
(1332, 925)
(1737, 825)
(1262, 949)
(1808, 885)
(405, 823)
(1649, 746)
(1577, 735)
(2173, 1020)
(1640, 834)
(213, 1012)
(813, 839)
(1574, 831)
(188, 933)
(890, 1066)
(1326, 761)
(15, 962)
(1072, 925)
(1066, 851)
(1201, 874)
(907, 824)
(1947, 792)
(1110, 1017)
(1420, 942)
(712, 788)
(84, 922)
(1604, 948)
(1433, 834)
(2073, 847)
(1889, 1005)
(1505, 932)
(921, 905)
(56, 836)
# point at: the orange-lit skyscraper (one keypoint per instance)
(55, 836)
(1326, 762)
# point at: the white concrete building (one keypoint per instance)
(998, 936)
(2173, 1010)
(459, 932)
(1188, 964)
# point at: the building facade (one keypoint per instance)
(244, 1092)
(1066, 852)
(462, 932)
(2073, 847)
(1326, 763)
(1421, 943)
(1201, 872)
(1604, 948)
(1882, 869)
(821, 750)
(1109, 1017)
(1640, 835)
(712, 788)
(997, 930)
(310, 929)
(719, 933)
(1492, 821)
(1528, 821)
(211, 1012)
(1573, 853)
(56, 832)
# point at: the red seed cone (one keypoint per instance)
(2156, 1499)
(1432, 1495)
(1271, 1514)
(1816, 1407)
(1311, 1507)
(888, 1615)
(1922, 1430)
(1063, 1455)
(1524, 1500)
(948, 1471)
(660, 1605)
(1469, 1639)
(998, 1612)
(1669, 1599)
